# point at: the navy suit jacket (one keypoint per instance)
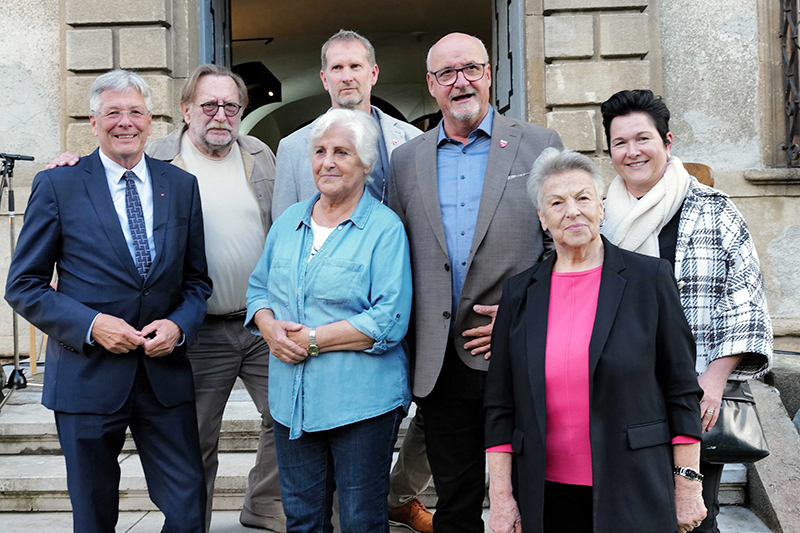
(70, 222)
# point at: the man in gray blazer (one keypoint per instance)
(460, 190)
(348, 73)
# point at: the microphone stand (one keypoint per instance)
(17, 378)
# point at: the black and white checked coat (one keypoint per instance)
(720, 283)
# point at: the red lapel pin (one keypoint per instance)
(503, 143)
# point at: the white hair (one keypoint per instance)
(119, 80)
(553, 161)
(361, 128)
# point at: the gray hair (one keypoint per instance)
(428, 57)
(553, 161)
(209, 69)
(348, 36)
(361, 128)
(119, 80)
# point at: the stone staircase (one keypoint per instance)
(33, 474)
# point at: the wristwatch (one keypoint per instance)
(313, 349)
(688, 473)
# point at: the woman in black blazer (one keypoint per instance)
(592, 379)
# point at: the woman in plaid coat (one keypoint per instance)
(656, 208)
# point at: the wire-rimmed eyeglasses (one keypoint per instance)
(211, 108)
(134, 114)
(448, 76)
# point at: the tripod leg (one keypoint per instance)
(8, 397)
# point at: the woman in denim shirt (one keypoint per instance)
(331, 295)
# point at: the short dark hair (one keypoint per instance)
(636, 101)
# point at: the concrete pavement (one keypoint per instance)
(733, 519)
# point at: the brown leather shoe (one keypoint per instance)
(412, 515)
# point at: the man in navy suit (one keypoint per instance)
(125, 233)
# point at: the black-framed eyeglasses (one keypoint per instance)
(211, 108)
(471, 72)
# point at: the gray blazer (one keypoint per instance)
(294, 180)
(508, 238)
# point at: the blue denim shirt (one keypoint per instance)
(461, 168)
(361, 274)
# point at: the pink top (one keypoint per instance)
(570, 321)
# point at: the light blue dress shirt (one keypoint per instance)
(461, 168)
(362, 274)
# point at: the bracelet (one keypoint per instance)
(689, 473)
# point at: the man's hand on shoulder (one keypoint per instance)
(166, 333)
(67, 158)
(115, 335)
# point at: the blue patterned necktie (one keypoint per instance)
(133, 208)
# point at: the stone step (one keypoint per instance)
(137, 522)
(27, 427)
(38, 483)
(733, 487)
(731, 519)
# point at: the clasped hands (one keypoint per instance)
(288, 341)
(117, 336)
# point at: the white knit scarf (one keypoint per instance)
(633, 224)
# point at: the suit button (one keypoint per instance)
(145, 292)
(447, 267)
(446, 314)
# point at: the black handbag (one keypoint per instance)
(737, 437)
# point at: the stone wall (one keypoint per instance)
(152, 37)
(30, 82)
(719, 72)
(717, 66)
(592, 49)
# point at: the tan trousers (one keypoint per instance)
(223, 351)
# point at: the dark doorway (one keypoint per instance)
(287, 36)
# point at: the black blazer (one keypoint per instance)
(642, 388)
(70, 221)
